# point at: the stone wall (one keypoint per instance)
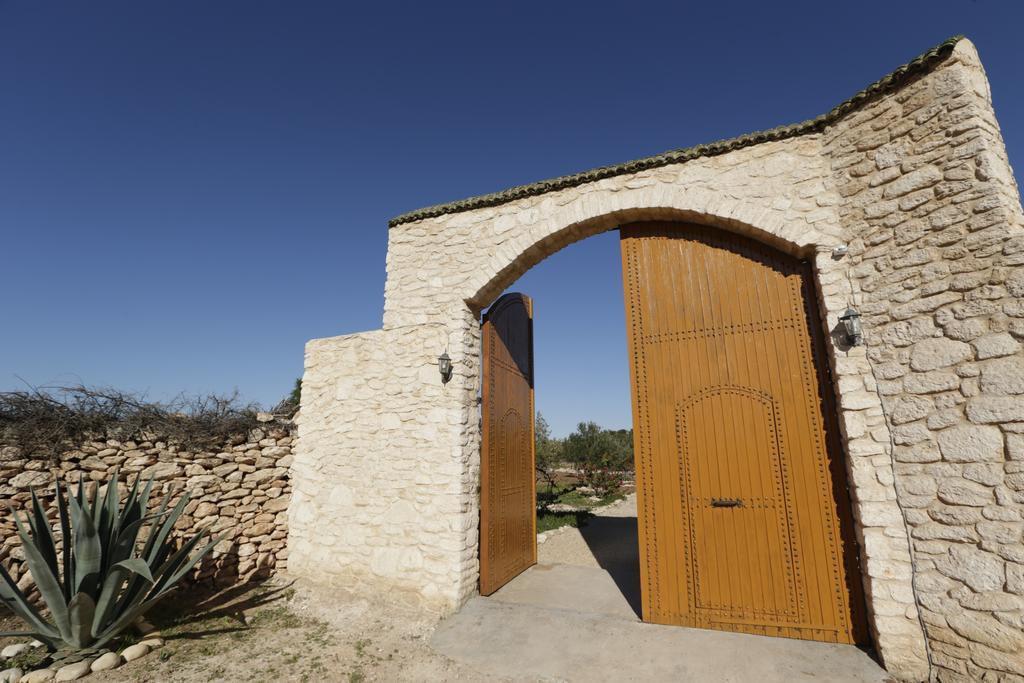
(937, 266)
(387, 499)
(242, 489)
(914, 180)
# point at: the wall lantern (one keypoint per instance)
(444, 366)
(851, 323)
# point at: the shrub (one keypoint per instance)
(47, 421)
(547, 450)
(98, 585)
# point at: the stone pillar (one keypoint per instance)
(383, 474)
(936, 248)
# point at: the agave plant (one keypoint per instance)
(106, 575)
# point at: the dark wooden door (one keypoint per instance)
(744, 516)
(508, 517)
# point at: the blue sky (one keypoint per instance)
(191, 190)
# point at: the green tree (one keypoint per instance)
(601, 457)
(547, 450)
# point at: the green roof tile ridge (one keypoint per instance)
(919, 65)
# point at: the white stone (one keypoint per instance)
(990, 409)
(1003, 376)
(29, 479)
(12, 675)
(981, 628)
(162, 470)
(961, 492)
(915, 180)
(14, 650)
(105, 662)
(971, 443)
(932, 354)
(133, 652)
(995, 345)
(980, 570)
(39, 676)
(72, 672)
(930, 382)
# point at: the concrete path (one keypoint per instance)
(564, 623)
(608, 541)
(574, 617)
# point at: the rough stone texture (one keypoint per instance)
(72, 672)
(944, 264)
(39, 676)
(242, 490)
(105, 662)
(136, 651)
(916, 183)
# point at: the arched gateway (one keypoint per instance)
(886, 478)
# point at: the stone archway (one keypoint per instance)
(904, 202)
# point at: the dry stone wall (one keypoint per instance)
(937, 264)
(241, 490)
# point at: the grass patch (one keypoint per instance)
(548, 495)
(546, 521)
(577, 499)
(279, 617)
(27, 660)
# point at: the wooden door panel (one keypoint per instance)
(508, 532)
(743, 558)
(744, 518)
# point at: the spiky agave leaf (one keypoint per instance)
(137, 583)
(88, 550)
(172, 572)
(47, 583)
(12, 596)
(106, 583)
(65, 534)
(43, 535)
(80, 613)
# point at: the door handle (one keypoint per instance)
(726, 503)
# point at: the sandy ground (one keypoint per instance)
(612, 532)
(287, 632)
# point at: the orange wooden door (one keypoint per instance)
(744, 516)
(508, 514)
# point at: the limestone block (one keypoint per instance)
(980, 570)
(931, 382)
(1003, 376)
(956, 491)
(1000, 532)
(971, 443)
(980, 628)
(995, 345)
(955, 514)
(931, 354)
(995, 409)
(910, 434)
(1015, 578)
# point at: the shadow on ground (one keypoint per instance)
(614, 543)
(223, 610)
